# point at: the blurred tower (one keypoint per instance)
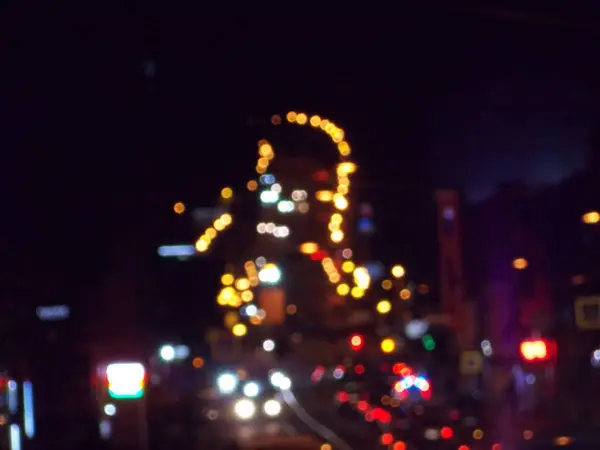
(452, 287)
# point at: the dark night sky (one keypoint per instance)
(96, 146)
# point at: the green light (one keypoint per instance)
(428, 342)
(132, 395)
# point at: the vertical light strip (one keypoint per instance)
(28, 414)
(13, 397)
(15, 437)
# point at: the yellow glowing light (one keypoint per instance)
(241, 284)
(387, 285)
(301, 119)
(226, 193)
(388, 345)
(348, 266)
(357, 292)
(591, 217)
(384, 307)
(340, 202)
(398, 271)
(247, 296)
(344, 148)
(520, 264)
(343, 289)
(405, 294)
(291, 116)
(308, 248)
(239, 329)
(179, 208)
(315, 121)
(324, 196)
(227, 279)
(226, 219)
(337, 236)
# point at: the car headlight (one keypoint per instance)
(244, 409)
(251, 389)
(279, 380)
(227, 382)
(272, 408)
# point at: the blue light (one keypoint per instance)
(267, 179)
(168, 251)
(376, 270)
(366, 226)
(28, 414)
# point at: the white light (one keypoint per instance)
(269, 196)
(269, 274)
(276, 378)
(299, 195)
(285, 206)
(110, 409)
(416, 328)
(272, 408)
(285, 384)
(167, 353)
(125, 379)
(268, 345)
(227, 383)
(261, 228)
(251, 389)
(276, 188)
(182, 352)
(244, 409)
(281, 232)
(251, 310)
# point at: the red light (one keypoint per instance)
(399, 446)
(359, 369)
(397, 368)
(463, 447)
(342, 397)
(534, 350)
(387, 438)
(454, 414)
(356, 342)
(321, 175)
(446, 433)
(496, 447)
(362, 405)
(318, 255)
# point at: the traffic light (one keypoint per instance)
(357, 342)
(537, 349)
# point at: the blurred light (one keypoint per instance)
(285, 206)
(167, 353)
(251, 389)
(384, 307)
(272, 408)
(125, 380)
(251, 310)
(167, 251)
(299, 195)
(110, 409)
(227, 383)
(252, 185)
(446, 433)
(398, 271)
(268, 345)
(532, 350)
(416, 328)
(269, 197)
(388, 345)
(28, 410)
(520, 263)
(52, 313)
(291, 309)
(308, 248)
(198, 362)
(239, 330)
(428, 342)
(301, 119)
(591, 217)
(405, 294)
(356, 342)
(226, 193)
(267, 179)
(244, 409)
(179, 208)
(276, 378)
(269, 274)
(324, 196)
